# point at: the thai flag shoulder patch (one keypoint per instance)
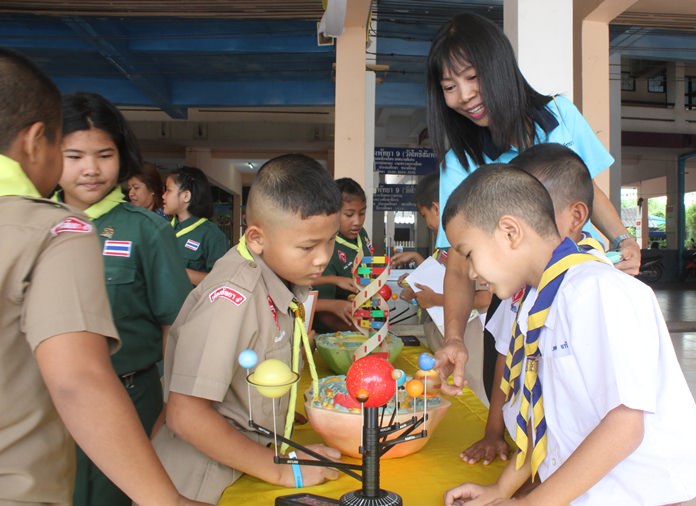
(117, 248)
(227, 293)
(192, 245)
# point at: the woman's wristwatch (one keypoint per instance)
(619, 239)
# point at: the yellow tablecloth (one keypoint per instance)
(420, 479)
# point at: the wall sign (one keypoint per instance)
(394, 197)
(405, 161)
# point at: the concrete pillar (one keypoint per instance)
(676, 89)
(355, 103)
(541, 32)
(672, 208)
(591, 30)
(645, 226)
(615, 175)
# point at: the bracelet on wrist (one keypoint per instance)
(619, 239)
(296, 471)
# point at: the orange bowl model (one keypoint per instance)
(341, 428)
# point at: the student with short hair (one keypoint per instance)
(336, 285)
(247, 302)
(188, 199)
(565, 177)
(57, 331)
(597, 402)
(144, 275)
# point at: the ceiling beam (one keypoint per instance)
(632, 35)
(152, 87)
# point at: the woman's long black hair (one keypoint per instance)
(513, 106)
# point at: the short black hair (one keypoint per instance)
(27, 96)
(510, 101)
(428, 190)
(194, 180)
(297, 184)
(499, 189)
(561, 171)
(350, 187)
(85, 111)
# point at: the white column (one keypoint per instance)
(355, 103)
(615, 177)
(676, 89)
(671, 221)
(370, 100)
(541, 32)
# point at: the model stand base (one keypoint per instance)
(383, 498)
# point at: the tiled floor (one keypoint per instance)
(678, 304)
(685, 346)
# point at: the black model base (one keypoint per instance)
(383, 498)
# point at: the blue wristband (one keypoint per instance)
(296, 471)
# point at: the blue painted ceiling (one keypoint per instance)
(174, 63)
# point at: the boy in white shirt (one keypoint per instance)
(600, 409)
(568, 182)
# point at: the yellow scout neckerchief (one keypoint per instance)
(99, 209)
(299, 335)
(13, 180)
(190, 228)
(354, 247)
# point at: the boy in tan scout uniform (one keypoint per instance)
(243, 304)
(53, 359)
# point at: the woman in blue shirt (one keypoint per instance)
(482, 110)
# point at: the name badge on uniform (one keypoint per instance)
(71, 225)
(117, 248)
(227, 293)
(192, 245)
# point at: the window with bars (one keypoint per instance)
(690, 92)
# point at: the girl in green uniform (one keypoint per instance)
(145, 277)
(189, 201)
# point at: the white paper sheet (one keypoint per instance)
(430, 273)
(310, 306)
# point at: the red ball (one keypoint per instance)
(371, 374)
(385, 292)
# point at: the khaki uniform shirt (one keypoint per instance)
(50, 283)
(240, 305)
